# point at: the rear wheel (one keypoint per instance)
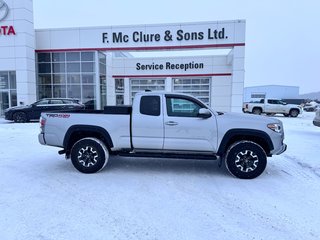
(89, 155)
(20, 117)
(257, 111)
(246, 160)
(294, 113)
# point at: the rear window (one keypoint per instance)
(150, 105)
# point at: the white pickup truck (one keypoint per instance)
(271, 107)
(164, 125)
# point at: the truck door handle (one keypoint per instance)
(171, 123)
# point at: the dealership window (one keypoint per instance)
(66, 74)
(140, 85)
(8, 90)
(103, 78)
(198, 87)
(119, 91)
(258, 95)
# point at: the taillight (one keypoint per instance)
(42, 123)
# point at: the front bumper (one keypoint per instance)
(41, 139)
(280, 150)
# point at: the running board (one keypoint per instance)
(168, 155)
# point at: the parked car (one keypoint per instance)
(271, 107)
(164, 125)
(316, 120)
(90, 104)
(33, 111)
(311, 107)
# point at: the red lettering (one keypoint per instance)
(7, 30)
(11, 31)
(4, 30)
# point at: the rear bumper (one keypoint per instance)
(41, 139)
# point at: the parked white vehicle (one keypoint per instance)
(311, 106)
(316, 120)
(164, 125)
(271, 107)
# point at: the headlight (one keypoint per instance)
(274, 127)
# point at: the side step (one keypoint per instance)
(169, 155)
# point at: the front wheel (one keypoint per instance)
(246, 160)
(20, 117)
(89, 155)
(294, 113)
(257, 111)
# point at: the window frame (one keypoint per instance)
(141, 110)
(193, 100)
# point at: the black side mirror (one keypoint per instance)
(204, 113)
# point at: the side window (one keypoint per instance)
(150, 105)
(56, 102)
(42, 102)
(180, 107)
(66, 101)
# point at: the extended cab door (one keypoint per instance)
(147, 122)
(184, 129)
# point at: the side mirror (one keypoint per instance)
(204, 113)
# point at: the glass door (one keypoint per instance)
(4, 101)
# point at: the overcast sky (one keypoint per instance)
(282, 37)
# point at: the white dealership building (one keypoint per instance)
(94, 63)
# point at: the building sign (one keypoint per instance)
(5, 29)
(218, 34)
(169, 66)
(167, 36)
(4, 10)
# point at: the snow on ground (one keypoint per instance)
(43, 197)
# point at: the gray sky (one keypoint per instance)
(282, 37)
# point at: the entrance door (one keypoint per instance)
(4, 101)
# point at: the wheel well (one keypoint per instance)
(73, 136)
(256, 139)
(260, 108)
(294, 109)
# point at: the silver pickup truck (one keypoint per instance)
(164, 125)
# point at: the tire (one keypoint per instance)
(257, 111)
(294, 113)
(20, 117)
(246, 160)
(89, 155)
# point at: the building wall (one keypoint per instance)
(226, 73)
(17, 50)
(217, 68)
(271, 91)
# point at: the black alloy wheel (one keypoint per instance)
(246, 160)
(89, 155)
